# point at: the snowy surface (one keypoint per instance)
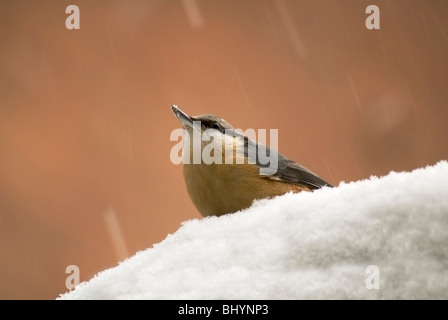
(302, 246)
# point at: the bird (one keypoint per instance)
(222, 187)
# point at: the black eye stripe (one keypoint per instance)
(212, 124)
(207, 124)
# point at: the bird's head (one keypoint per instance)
(214, 133)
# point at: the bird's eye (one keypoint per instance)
(216, 126)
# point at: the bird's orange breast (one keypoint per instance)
(217, 189)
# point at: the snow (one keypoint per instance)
(302, 246)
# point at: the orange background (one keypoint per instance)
(85, 171)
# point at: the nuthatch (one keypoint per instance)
(220, 188)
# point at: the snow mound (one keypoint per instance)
(302, 246)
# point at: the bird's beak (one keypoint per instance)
(184, 119)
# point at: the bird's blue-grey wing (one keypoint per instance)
(275, 166)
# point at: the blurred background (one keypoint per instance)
(85, 171)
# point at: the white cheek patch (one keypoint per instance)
(212, 151)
